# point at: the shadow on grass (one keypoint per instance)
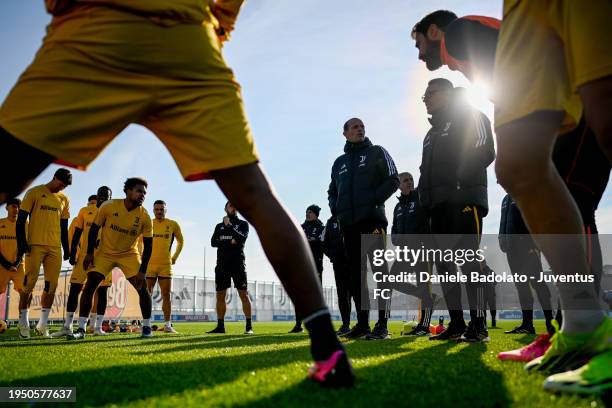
(429, 377)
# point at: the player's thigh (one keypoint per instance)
(165, 286)
(18, 278)
(52, 265)
(32, 261)
(129, 264)
(103, 266)
(78, 275)
(4, 279)
(531, 73)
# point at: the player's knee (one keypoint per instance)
(49, 288)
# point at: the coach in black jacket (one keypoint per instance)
(362, 179)
(333, 247)
(453, 188)
(229, 238)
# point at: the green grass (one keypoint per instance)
(268, 370)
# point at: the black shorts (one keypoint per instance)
(224, 274)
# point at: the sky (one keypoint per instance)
(305, 67)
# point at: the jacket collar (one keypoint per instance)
(355, 147)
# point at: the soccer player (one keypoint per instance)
(187, 96)
(333, 247)
(11, 266)
(48, 210)
(362, 179)
(82, 223)
(314, 229)
(119, 223)
(165, 232)
(410, 218)
(229, 238)
(541, 91)
(453, 189)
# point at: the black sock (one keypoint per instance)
(527, 318)
(221, 323)
(249, 325)
(382, 318)
(323, 340)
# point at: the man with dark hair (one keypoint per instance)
(119, 223)
(409, 218)
(362, 179)
(205, 128)
(82, 223)
(165, 232)
(333, 247)
(313, 228)
(11, 266)
(49, 210)
(229, 238)
(462, 44)
(453, 189)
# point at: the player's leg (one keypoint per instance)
(285, 246)
(222, 283)
(151, 281)
(597, 99)
(246, 309)
(71, 307)
(21, 153)
(52, 265)
(102, 299)
(130, 269)
(344, 296)
(517, 262)
(94, 279)
(165, 287)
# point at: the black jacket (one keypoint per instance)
(513, 233)
(238, 230)
(362, 179)
(333, 244)
(456, 153)
(314, 234)
(408, 218)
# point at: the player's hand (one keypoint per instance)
(88, 261)
(67, 256)
(226, 221)
(234, 242)
(173, 261)
(140, 280)
(13, 269)
(24, 249)
(72, 261)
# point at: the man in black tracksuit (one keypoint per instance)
(453, 188)
(333, 247)
(362, 179)
(229, 238)
(523, 258)
(409, 218)
(313, 229)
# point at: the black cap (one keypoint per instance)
(314, 208)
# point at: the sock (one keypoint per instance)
(24, 318)
(581, 321)
(99, 320)
(146, 322)
(69, 320)
(92, 318)
(82, 322)
(221, 323)
(548, 315)
(527, 318)
(248, 324)
(168, 323)
(44, 316)
(323, 340)
(382, 318)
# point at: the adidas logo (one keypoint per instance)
(116, 214)
(467, 209)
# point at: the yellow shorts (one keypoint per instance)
(129, 265)
(546, 50)
(159, 271)
(101, 69)
(79, 275)
(15, 276)
(50, 257)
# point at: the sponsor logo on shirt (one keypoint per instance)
(119, 229)
(48, 208)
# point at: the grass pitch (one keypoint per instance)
(268, 369)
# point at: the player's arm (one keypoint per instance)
(147, 250)
(20, 229)
(178, 234)
(215, 241)
(394, 239)
(5, 262)
(478, 147)
(332, 194)
(388, 172)
(74, 245)
(64, 235)
(240, 232)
